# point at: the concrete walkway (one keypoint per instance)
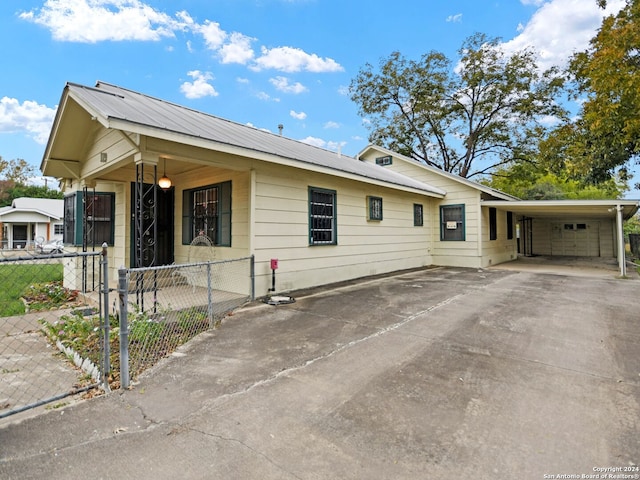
(438, 374)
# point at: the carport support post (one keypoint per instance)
(123, 295)
(621, 254)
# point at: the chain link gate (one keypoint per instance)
(53, 330)
(161, 308)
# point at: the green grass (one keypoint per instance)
(16, 278)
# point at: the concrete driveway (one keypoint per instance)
(434, 374)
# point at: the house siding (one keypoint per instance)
(239, 212)
(465, 253)
(363, 247)
(502, 249)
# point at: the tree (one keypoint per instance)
(469, 119)
(17, 170)
(14, 175)
(606, 135)
(529, 181)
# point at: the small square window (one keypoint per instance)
(418, 217)
(375, 208)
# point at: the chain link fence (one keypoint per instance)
(60, 336)
(161, 308)
(49, 310)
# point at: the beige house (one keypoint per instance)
(326, 217)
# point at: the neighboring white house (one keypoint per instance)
(27, 220)
(326, 217)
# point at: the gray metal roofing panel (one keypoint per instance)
(113, 102)
(437, 171)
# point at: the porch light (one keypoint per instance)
(164, 182)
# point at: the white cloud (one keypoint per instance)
(298, 116)
(200, 87)
(282, 84)
(212, 33)
(91, 21)
(288, 59)
(560, 28)
(331, 124)
(266, 97)
(454, 18)
(237, 50)
(343, 90)
(336, 145)
(30, 117)
(316, 142)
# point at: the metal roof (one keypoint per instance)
(437, 171)
(116, 107)
(47, 207)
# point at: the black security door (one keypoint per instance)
(154, 207)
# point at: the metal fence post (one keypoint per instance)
(123, 295)
(106, 368)
(209, 297)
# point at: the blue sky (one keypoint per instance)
(257, 62)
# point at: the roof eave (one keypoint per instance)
(164, 134)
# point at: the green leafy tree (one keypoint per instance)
(529, 181)
(467, 119)
(606, 135)
(14, 175)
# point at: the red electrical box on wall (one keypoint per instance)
(274, 264)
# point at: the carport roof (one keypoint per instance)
(567, 208)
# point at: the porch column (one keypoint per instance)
(145, 217)
(620, 236)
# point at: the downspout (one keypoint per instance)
(620, 236)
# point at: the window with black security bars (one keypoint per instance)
(205, 213)
(69, 235)
(99, 212)
(322, 217)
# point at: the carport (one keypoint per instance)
(584, 228)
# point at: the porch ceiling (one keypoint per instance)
(567, 208)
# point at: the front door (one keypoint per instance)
(19, 236)
(164, 227)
